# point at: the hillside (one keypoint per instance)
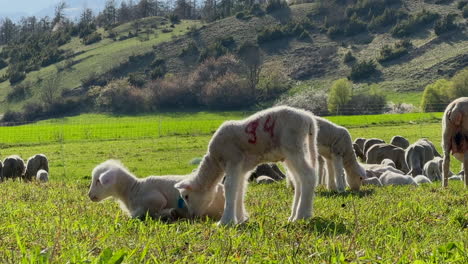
(313, 62)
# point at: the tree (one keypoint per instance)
(250, 54)
(8, 31)
(340, 94)
(436, 96)
(59, 12)
(124, 13)
(50, 89)
(110, 13)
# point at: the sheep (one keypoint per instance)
(360, 142)
(420, 179)
(392, 178)
(267, 169)
(13, 167)
(42, 176)
(399, 141)
(336, 148)
(34, 164)
(358, 152)
(456, 178)
(371, 142)
(432, 169)
(378, 152)
(417, 154)
(154, 195)
(263, 179)
(455, 136)
(376, 170)
(372, 181)
(277, 134)
(388, 162)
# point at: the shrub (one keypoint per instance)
(158, 72)
(16, 76)
(339, 95)
(310, 99)
(191, 49)
(240, 15)
(388, 18)
(273, 5)
(171, 92)
(273, 82)
(174, 19)
(436, 96)
(271, 34)
(93, 79)
(92, 38)
(64, 106)
(445, 24)
(333, 32)
(33, 111)
(348, 58)
(19, 92)
(137, 79)
(227, 92)
(120, 97)
(257, 10)
(414, 23)
(213, 51)
(369, 101)
(12, 117)
(388, 53)
(362, 70)
(354, 26)
(166, 30)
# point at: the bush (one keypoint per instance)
(32, 111)
(19, 92)
(310, 99)
(166, 30)
(12, 117)
(388, 18)
(366, 102)
(414, 23)
(388, 53)
(16, 76)
(348, 58)
(240, 15)
(334, 32)
(445, 24)
(363, 69)
(174, 19)
(271, 34)
(171, 92)
(257, 10)
(354, 26)
(92, 38)
(273, 82)
(228, 92)
(137, 79)
(93, 79)
(191, 49)
(119, 96)
(436, 96)
(158, 72)
(63, 107)
(273, 5)
(213, 51)
(339, 95)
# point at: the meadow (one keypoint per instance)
(57, 223)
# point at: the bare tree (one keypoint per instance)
(251, 56)
(50, 89)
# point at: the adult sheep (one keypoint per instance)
(417, 154)
(371, 142)
(34, 164)
(42, 176)
(276, 134)
(455, 136)
(334, 144)
(378, 152)
(153, 195)
(13, 167)
(400, 141)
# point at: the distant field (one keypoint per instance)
(376, 225)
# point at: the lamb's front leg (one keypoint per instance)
(233, 180)
(241, 213)
(339, 173)
(330, 178)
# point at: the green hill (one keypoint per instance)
(313, 62)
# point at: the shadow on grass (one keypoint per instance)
(319, 225)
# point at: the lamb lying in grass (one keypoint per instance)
(153, 195)
(392, 178)
(420, 179)
(372, 181)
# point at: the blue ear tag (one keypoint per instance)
(180, 203)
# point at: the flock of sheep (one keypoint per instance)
(313, 151)
(13, 167)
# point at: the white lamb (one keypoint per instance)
(277, 134)
(420, 179)
(153, 195)
(42, 176)
(392, 178)
(334, 144)
(372, 181)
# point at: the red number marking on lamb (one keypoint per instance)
(251, 129)
(269, 126)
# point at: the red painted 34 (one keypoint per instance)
(268, 127)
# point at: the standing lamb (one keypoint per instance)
(392, 178)
(399, 141)
(417, 154)
(455, 136)
(276, 134)
(335, 146)
(378, 152)
(34, 164)
(42, 176)
(371, 142)
(153, 195)
(13, 167)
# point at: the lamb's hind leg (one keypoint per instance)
(233, 180)
(294, 180)
(339, 173)
(307, 182)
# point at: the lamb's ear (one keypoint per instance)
(183, 186)
(108, 177)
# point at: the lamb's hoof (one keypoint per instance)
(228, 222)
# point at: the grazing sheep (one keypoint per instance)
(358, 152)
(417, 154)
(34, 164)
(392, 178)
(360, 142)
(432, 169)
(420, 179)
(42, 175)
(13, 167)
(276, 134)
(455, 136)
(372, 181)
(263, 179)
(371, 142)
(378, 152)
(388, 162)
(267, 169)
(154, 195)
(336, 148)
(399, 141)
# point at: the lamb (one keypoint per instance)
(376, 170)
(336, 148)
(388, 162)
(371, 142)
(277, 134)
(13, 167)
(267, 169)
(455, 136)
(392, 178)
(432, 169)
(417, 154)
(263, 179)
(399, 141)
(358, 152)
(372, 181)
(34, 164)
(153, 195)
(420, 179)
(42, 176)
(378, 152)
(360, 142)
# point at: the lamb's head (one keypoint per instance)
(196, 198)
(354, 177)
(104, 179)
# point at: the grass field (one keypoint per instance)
(57, 222)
